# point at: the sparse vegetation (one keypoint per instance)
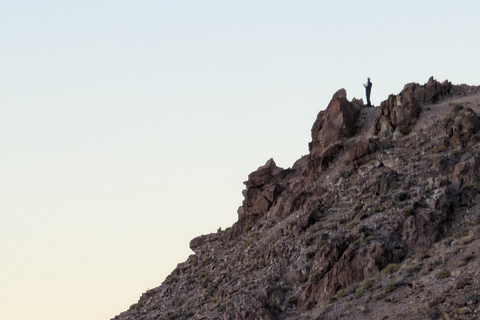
(391, 268)
(367, 283)
(340, 294)
(405, 129)
(464, 310)
(413, 268)
(467, 239)
(345, 173)
(443, 275)
(438, 149)
(409, 211)
(390, 287)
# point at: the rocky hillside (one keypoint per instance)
(381, 220)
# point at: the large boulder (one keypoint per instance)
(467, 173)
(263, 174)
(263, 189)
(332, 127)
(465, 130)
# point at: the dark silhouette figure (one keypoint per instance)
(368, 90)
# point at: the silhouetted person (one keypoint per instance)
(368, 90)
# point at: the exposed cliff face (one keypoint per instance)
(384, 209)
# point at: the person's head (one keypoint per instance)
(368, 79)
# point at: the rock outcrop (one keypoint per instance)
(466, 129)
(359, 228)
(333, 127)
(399, 113)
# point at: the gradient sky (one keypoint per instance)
(128, 127)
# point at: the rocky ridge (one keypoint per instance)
(380, 220)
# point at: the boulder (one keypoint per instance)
(465, 130)
(263, 174)
(200, 241)
(467, 173)
(332, 127)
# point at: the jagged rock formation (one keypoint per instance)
(384, 209)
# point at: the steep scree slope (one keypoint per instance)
(381, 220)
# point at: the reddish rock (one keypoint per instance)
(465, 130)
(358, 152)
(467, 173)
(400, 112)
(202, 240)
(263, 174)
(333, 126)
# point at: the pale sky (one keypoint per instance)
(128, 127)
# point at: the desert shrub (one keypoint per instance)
(352, 225)
(350, 142)
(391, 268)
(455, 109)
(345, 173)
(454, 152)
(358, 293)
(405, 129)
(448, 241)
(467, 239)
(425, 270)
(251, 240)
(461, 263)
(367, 283)
(410, 211)
(465, 260)
(413, 268)
(390, 287)
(353, 288)
(439, 149)
(421, 253)
(340, 294)
(357, 207)
(333, 226)
(464, 310)
(304, 278)
(443, 275)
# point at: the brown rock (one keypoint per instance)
(467, 172)
(342, 93)
(333, 126)
(400, 112)
(263, 174)
(199, 241)
(466, 129)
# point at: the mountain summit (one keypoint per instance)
(381, 220)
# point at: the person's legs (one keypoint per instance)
(368, 97)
